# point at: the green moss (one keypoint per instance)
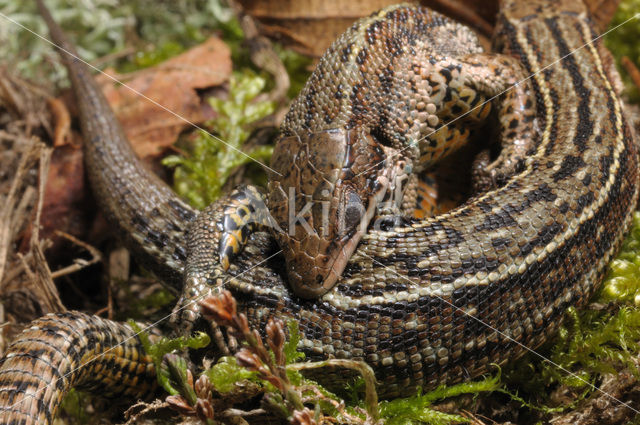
(298, 67)
(622, 283)
(594, 342)
(603, 341)
(413, 410)
(138, 306)
(74, 405)
(623, 41)
(291, 346)
(590, 342)
(200, 176)
(164, 346)
(151, 57)
(177, 26)
(226, 374)
(98, 27)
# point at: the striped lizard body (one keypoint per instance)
(388, 87)
(444, 297)
(439, 300)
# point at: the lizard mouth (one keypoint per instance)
(318, 270)
(330, 188)
(346, 247)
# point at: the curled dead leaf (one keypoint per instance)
(170, 100)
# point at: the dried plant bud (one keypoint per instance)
(189, 378)
(273, 379)
(276, 340)
(242, 323)
(303, 417)
(204, 410)
(203, 387)
(258, 345)
(180, 405)
(248, 359)
(220, 308)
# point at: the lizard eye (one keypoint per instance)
(353, 211)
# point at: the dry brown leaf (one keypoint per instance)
(602, 12)
(172, 84)
(309, 26)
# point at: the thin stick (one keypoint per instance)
(632, 69)
(6, 214)
(78, 264)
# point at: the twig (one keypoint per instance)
(11, 96)
(78, 263)
(42, 267)
(145, 408)
(20, 213)
(109, 307)
(109, 302)
(263, 55)
(26, 268)
(10, 137)
(99, 62)
(6, 215)
(632, 69)
(62, 121)
(370, 394)
(465, 14)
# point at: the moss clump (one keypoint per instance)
(74, 405)
(622, 283)
(226, 374)
(623, 41)
(137, 305)
(200, 176)
(602, 339)
(415, 410)
(98, 27)
(594, 342)
(164, 346)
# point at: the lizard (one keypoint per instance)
(419, 317)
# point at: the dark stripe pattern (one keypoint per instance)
(437, 301)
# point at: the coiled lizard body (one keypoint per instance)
(434, 302)
(388, 85)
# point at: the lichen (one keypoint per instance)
(156, 30)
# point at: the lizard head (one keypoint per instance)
(331, 184)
